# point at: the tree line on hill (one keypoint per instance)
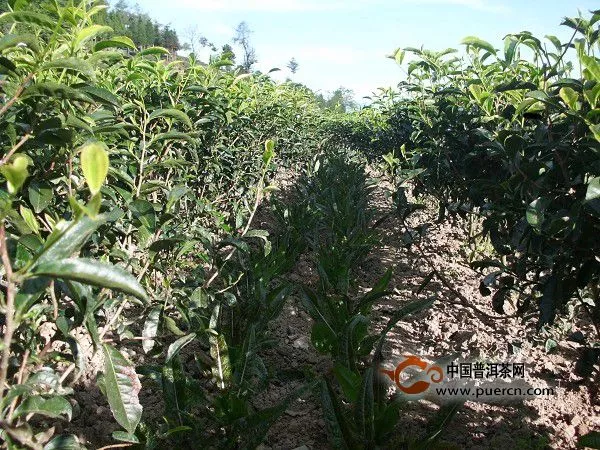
(124, 19)
(133, 22)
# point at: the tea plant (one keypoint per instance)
(515, 142)
(131, 183)
(339, 235)
(174, 158)
(357, 408)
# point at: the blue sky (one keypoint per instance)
(344, 42)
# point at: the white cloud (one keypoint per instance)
(220, 30)
(331, 55)
(260, 5)
(324, 5)
(326, 68)
(314, 56)
(480, 5)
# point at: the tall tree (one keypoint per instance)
(227, 53)
(242, 38)
(196, 40)
(293, 65)
(122, 18)
(225, 58)
(139, 26)
(34, 6)
(341, 100)
(170, 39)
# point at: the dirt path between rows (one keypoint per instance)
(544, 422)
(551, 422)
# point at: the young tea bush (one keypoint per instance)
(132, 180)
(515, 141)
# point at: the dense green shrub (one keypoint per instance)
(515, 140)
(133, 178)
(151, 171)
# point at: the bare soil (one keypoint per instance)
(544, 422)
(541, 423)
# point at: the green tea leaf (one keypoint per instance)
(143, 211)
(176, 194)
(510, 48)
(16, 173)
(68, 237)
(90, 271)
(115, 42)
(269, 152)
(94, 163)
(90, 33)
(122, 436)
(173, 136)
(28, 18)
(74, 64)
(176, 346)
(499, 299)
(592, 65)
(19, 5)
(156, 51)
(592, 196)
(556, 42)
(151, 328)
(551, 289)
(398, 56)
(241, 77)
(595, 129)
(570, 97)
(52, 89)
(591, 440)
(65, 442)
(40, 196)
(550, 345)
(54, 407)
(535, 212)
(175, 114)
(122, 388)
(14, 40)
(30, 219)
(473, 41)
